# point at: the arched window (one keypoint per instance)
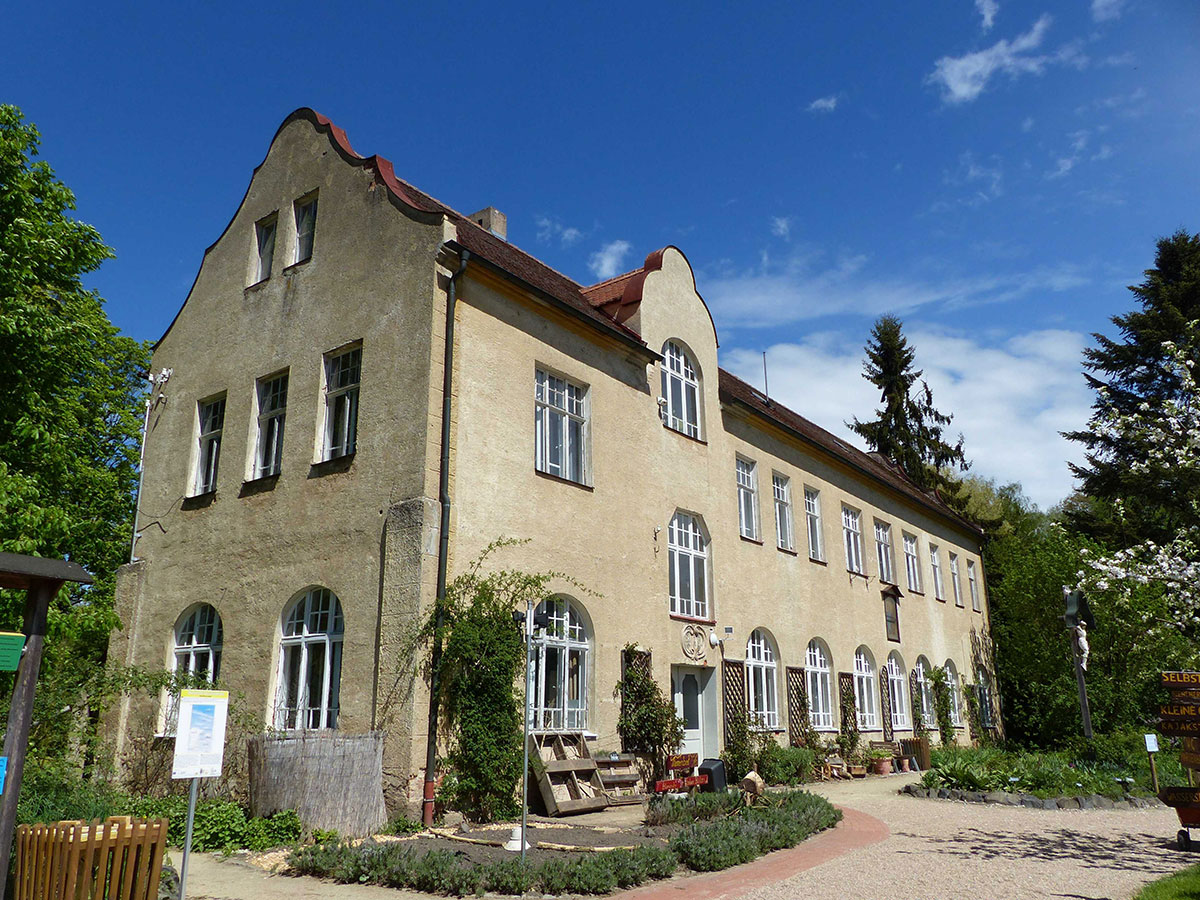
(866, 697)
(925, 692)
(687, 557)
(680, 390)
(560, 677)
(955, 698)
(762, 698)
(819, 675)
(310, 664)
(898, 690)
(198, 644)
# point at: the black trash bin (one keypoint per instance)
(715, 770)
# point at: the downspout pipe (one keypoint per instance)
(439, 603)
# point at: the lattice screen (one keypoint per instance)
(885, 704)
(733, 689)
(797, 703)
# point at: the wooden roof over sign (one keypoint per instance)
(22, 572)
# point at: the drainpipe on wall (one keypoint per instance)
(435, 657)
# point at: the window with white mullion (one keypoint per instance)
(782, 491)
(974, 585)
(560, 424)
(687, 558)
(265, 238)
(866, 694)
(952, 686)
(819, 675)
(560, 670)
(311, 663)
(912, 563)
(898, 691)
(925, 693)
(812, 513)
(883, 551)
(212, 423)
(954, 580)
(852, 532)
(762, 701)
(935, 564)
(747, 492)
(343, 374)
(680, 391)
(306, 227)
(272, 410)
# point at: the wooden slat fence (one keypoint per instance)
(120, 859)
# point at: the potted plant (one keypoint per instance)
(881, 762)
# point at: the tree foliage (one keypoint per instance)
(647, 723)
(908, 429)
(70, 412)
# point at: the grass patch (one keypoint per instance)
(1183, 885)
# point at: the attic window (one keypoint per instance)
(264, 231)
(306, 227)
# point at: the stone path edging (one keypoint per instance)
(1009, 798)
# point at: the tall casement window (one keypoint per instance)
(264, 234)
(925, 693)
(310, 664)
(891, 617)
(866, 695)
(983, 687)
(883, 551)
(197, 654)
(306, 227)
(687, 556)
(898, 689)
(974, 585)
(912, 562)
(819, 674)
(560, 427)
(954, 580)
(955, 698)
(343, 372)
(852, 534)
(212, 423)
(680, 390)
(935, 564)
(762, 698)
(747, 493)
(272, 408)
(812, 513)
(560, 678)
(783, 511)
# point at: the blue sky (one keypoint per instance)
(993, 171)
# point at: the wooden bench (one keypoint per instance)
(892, 747)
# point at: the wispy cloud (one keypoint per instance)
(983, 178)
(963, 78)
(609, 260)
(987, 10)
(1080, 140)
(1027, 124)
(549, 230)
(1010, 398)
(781, 226)
(1107, 10)
(824, 104)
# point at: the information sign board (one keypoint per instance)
(3, 772)
(1151, 743)
(1180, 727)
(1179, 796)
(11, 645)
(1179, 711)
(1180, 680)
(200, 736)
(1189, 760)
(678, 761)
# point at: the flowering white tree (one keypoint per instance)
(1167, 434)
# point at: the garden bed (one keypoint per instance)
(1012, 798)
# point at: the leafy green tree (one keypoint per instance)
(909, 428)
(70, 414)
(1121, 502)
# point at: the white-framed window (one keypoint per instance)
(680, 390)
(898, 690)
(866, 695)
(955, 693)
(974, 586)
(306, 227)
(912, 562)
(212, 422)
(560, 427)
(891, 617)
(196, 654)
(343, 373)
(852, 534)
(819, 674)
(954, 580)
(883, 551)
(812, 513)
(925, 693)
(935, 564)
(264, 237)
(560, 675)
(747, 493)
(687, 557)
(310, 662)
(983, 687)
(762, 697)
(782, 491)
(272, 410)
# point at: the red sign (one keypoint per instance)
(695, 780)
(668, 784)
(679, 761)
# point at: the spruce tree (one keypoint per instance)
(908, 429)
(1120, 503)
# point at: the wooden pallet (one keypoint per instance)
(622, 779)
(567, 775)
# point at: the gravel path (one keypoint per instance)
(944, 850)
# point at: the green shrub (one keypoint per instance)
(785, 765)
(510, 876)
(1107, 770)
(265, 832)
(403, 825)
(717, 845)
(51, 793)
(697, 807)
(321, 859)
(647, 722)
(656, 862)
(554, 877)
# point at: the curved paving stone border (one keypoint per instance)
(1007, 798)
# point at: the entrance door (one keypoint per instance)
(687, 689)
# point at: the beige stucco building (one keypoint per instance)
(289, 532)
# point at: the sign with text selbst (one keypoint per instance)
(1180, 680)
(200, 735)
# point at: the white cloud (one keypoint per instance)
(781, 226)
(984, 179)
(963, 78)
(609, 260)
(987, 9)
(551, 229)
(1079, 143)
(1027, 124)
(1009, 399)
(824, 104)
(1107, 10)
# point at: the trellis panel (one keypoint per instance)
(885, 704)
(846, 703)
(733, 690)
(797, 703)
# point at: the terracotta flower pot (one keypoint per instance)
(881, 766)
(904, 766)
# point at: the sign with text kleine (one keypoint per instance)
(200, 735)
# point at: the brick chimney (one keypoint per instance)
(491, 219)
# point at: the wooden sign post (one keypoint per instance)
(1181, 718)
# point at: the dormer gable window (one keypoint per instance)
(680, 401)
